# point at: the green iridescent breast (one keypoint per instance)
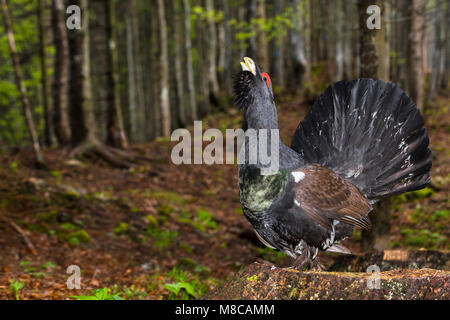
(257, 191)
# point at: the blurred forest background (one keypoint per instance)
(96, 107)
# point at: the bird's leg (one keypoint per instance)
(301, 261)
(308, 256)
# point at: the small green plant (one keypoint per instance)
(15, 287)
(57, 175)
(14, 166)
(175, 288)
(206, 218)
(100, 294)
(423, 238)
(48, 265)
(440, 215)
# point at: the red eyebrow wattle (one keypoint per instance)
(263, 74)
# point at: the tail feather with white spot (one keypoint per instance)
(369, 132)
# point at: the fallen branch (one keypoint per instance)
(22, 233)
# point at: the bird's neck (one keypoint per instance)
(261, 120)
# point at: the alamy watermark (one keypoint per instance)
(73, 281)
(255, 146)
(373, 282)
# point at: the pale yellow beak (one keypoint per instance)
(248, 65)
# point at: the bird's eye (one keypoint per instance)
(266, 79)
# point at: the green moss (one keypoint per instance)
(440, 215)
(252, 278)
(186, 247)
(164, 209)
(423, 238)
(151, 221)
(121, 228)
(77, 237)
(169, 197)
(50, 216)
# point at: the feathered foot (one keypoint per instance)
(308, 258)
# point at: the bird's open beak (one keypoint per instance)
(248, 65)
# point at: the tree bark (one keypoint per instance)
(437, 54)
(378, 237)
(178, 70)
(132, 83)
(21, 85)
(60, 74)
(50, 138)
(212, 53)
(82, 119)
(415, 32)
(164, 64)
(262, 51)
(367, 51)
(116, 132)
(189, 66)
(297, 48)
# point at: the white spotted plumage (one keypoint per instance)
(298, 176)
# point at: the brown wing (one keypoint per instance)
(324, 195)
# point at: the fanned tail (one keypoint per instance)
(369, 132)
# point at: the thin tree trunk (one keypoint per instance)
(415, 76)
(189, 67)
(132, 90)
(164, 64)
(50, 138)
(437, 54)
(116, 132)
(279, 67)
(339, 41)
(380, 44)
(212, 54)
(178, 70)
(60, 74)
(297, 48)
(221, 35)
(262, 51)
(21, 85)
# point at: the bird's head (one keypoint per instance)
(251, 86)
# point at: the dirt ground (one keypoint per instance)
(161, 231)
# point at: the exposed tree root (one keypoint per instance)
(116, 157)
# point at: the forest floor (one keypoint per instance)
(162, 231)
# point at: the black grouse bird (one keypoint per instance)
(362, 140)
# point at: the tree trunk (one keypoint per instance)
(50, 138)
(164, 64)
(116, 133)
(212, 54)
(297, 48)
(178, 70)
(437, 54)
(132, 83)
(21, 85)
(367, 51)
(189, 66)
(279, 63)
(82, 119)
(60, 74)
(339, 41)
(415, 31)
(378, 237)
(251, 49)
(262, 51)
